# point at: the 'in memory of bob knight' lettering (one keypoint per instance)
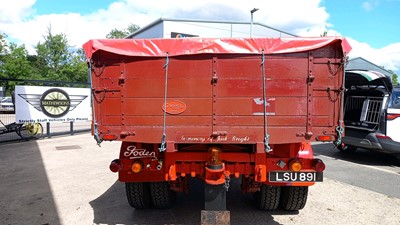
(200, 139)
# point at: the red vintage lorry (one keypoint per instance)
(216, 109)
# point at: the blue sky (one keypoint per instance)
(67, 6)
(373, 22)
(371, 26)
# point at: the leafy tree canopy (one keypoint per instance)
(395, 80)
(3, 43)
(115, 33)
(57, 60)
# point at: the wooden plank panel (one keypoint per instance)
(283, 106)
(171, 120)
(177, 88)
(274, 87)
(153, 106)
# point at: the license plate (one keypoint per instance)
(295, 176)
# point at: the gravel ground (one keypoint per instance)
(65, 180)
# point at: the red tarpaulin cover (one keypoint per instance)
(191, 46)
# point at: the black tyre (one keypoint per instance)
(268, 197)
(25, 132)
(293, 198)
(161, 195)
(346, 148)
(138, 195)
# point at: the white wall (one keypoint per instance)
(216, 30)
(155, 31)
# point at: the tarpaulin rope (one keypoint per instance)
(162, 147)
(340, 128)
(266, 138)
(95, 125)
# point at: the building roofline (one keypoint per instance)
(370, 63)
(162, 19)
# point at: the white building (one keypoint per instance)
(360, 63)
(180, 28)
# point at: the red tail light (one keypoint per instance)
(382, 136)
(392, 116)
(324, 138)
(115, 166)
(109, 137)
(318, 165)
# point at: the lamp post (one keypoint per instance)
(251, 21)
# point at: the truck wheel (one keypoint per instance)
(267, 198)
(138, 195)
(293, 198)
(161, 195)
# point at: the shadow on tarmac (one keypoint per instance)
(112, 208)
(26, 196)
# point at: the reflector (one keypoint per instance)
(137, 166)
(324, 138)
(109, 137)
(295, 165)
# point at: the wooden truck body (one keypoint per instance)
(217, 109)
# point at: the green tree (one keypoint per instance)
(58, 61)
(3, 52)
(115, 33)
(15, 65)
(394, 79)
(3, 43)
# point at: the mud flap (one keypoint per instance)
(215, 205)
(215, 197)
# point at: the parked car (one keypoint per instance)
(371, 113)
(6, 105)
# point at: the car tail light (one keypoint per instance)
(318, 165)
(382, 136)
(115, 166)
(295, 165)
(137, 166)
(392, 116)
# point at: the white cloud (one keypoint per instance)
(303, 17)
(367, 6)
(24, 26)
(15, 11)
(370, 5)
(388, 57)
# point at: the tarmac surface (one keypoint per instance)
(66, 180)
